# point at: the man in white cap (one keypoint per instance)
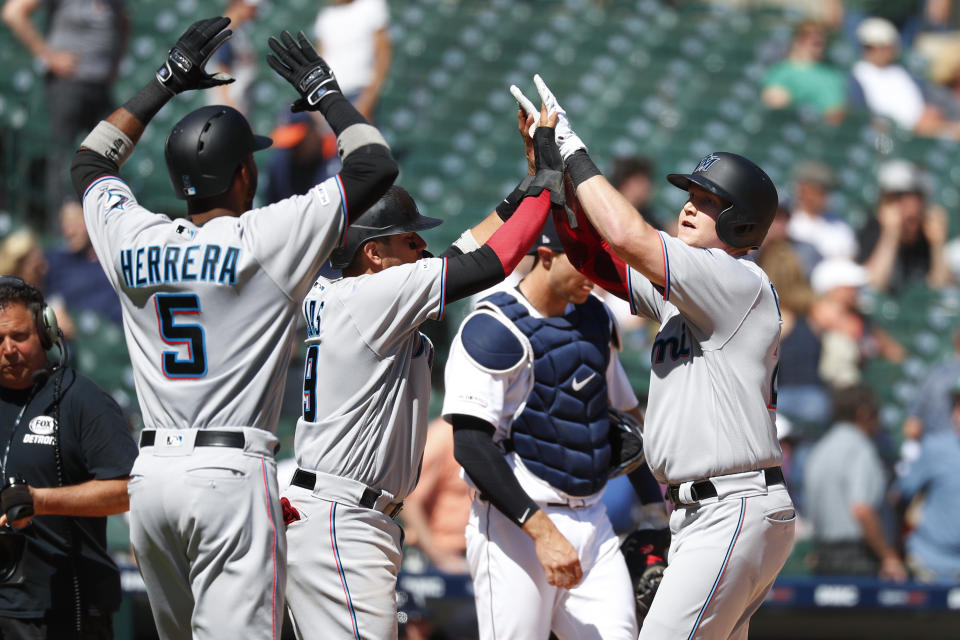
(885, 87)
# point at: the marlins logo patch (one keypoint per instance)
(706, 163)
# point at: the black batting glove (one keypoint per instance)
(297, 62)
(549, 166)
(183, 69)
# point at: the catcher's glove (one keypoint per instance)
(645, 552)
(626, 443)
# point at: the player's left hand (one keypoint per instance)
(568, 141)
(183, 69)
(297, 62)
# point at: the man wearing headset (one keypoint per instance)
(65, 458)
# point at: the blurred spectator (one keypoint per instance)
(810, 220)
(885, 87)
(353, 37)
(845, 486)
(632, 176)
(848, 337)
(75, 275)
(80, 52)
(435, 514)
(22, 256)
(801, 394)
(306, 155)
(806, 253)
(933, 546)
(945, 73)
(906, 241)
(236, 57)
(802, 79)
(932, 408)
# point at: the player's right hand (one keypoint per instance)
(183, 69)
(568, 141)
(555, 553)
(297, 62)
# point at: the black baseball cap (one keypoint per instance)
(548, 238)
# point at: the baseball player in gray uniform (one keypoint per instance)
(366, 390)
(209, 308)
(709, 430)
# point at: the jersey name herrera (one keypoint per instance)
(148, 266)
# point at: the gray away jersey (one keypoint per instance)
(367, 375)
(209, 312)
(713, 364)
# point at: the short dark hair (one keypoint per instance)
(16, 290)
(626, 167)
(849, 400)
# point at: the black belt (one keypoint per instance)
(705, 489)
(204, 438)
(308, 480)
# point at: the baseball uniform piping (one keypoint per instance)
(633, 305)
(723, 568)
(273, 554)
(443, 289)
(98, 181)
(666, 269)
(343, 580)
(486, 532)
(345, 209)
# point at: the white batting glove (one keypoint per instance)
(526, 105)
(568, 141)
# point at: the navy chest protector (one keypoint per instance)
(561, 435)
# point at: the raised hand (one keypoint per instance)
(183, 69)
(297, 62)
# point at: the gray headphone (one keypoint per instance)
(44, 317)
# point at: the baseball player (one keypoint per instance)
(209, 307)
(531, 373)
(709, 431)
(366, 390)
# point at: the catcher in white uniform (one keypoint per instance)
(532, 373)
(366, 391)
(709, 430)
(209, 309)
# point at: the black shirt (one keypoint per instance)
(95, 444)
(913, 260)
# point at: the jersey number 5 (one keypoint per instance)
(169, 306)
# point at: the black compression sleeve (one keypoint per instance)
(645, 485)
(87, 167)
(470, 273)
(581, 168)
(366, 175)
(340, 114)
(474, 449)
(148, 101)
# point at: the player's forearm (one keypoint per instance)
(476, 270)
(94, 498)
(367, 173)
(645, 485)
(480, 458)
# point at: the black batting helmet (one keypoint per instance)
(393, 214)
(204, 150)
(750, 192)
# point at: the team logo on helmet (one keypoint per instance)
(706, 163)
(188, 188)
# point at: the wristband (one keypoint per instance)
(506, 208)
(581, 168)
(466, 242)
(148, 101)
(110, 142)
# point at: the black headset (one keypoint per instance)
(45, 318)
